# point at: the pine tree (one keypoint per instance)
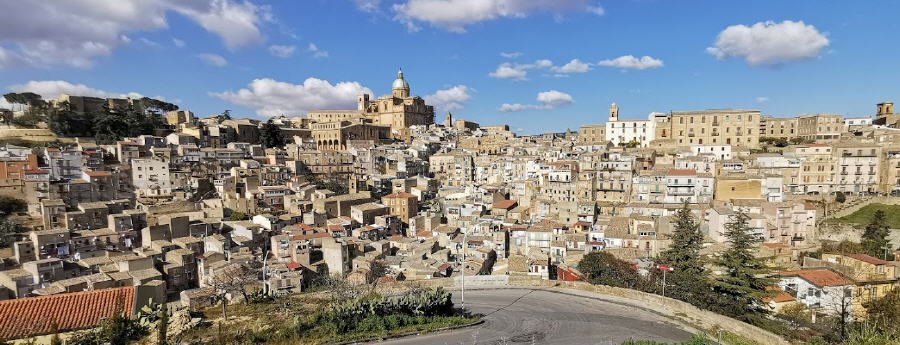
(687, 281)
(742, 286)
(874, 238)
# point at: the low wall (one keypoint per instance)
(672, 308)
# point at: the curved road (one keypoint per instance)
(524, 316)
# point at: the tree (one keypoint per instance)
(487, 267)
(10, 205)
(10, 232)
(874, 238)
(234, 277)
(884, 313)
(742, 286)
(605, 269)
(225, 115)
(687, 281)
(840, 197)
(271, 135)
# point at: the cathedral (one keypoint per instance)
(399, 109)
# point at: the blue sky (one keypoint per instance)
(699, 55)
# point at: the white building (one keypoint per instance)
(150, 177)
(625, 131)
(821, 290)
(718, 152)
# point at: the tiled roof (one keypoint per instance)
(96, 173)
(820, 278)
(400, 195)
(867, 259)
(72, 311)
(504, 204)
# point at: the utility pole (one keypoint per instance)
(664, 269)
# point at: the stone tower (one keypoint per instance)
(613, 112)
(449, 121)
(885, 108)
(400, 88)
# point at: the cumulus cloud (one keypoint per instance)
(282, 51)
(449, 99)
(762, 99)
(574, 66)
(631, 62)
(270, 97)
(546, 100)
(213, 59)
(768, 43)
(509, 71)
(317, 53)
(455, 15)
(51, 89)
(513, 55)
(76, 33)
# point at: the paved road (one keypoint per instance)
(522, 316)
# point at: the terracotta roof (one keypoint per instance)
(681, 172)
(293, 265)
(64, 312)
(820, 278)
(505, 204)
(867, 259)
(778, 295)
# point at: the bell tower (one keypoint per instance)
(449, 121)
(613, 112)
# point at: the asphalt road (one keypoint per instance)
(522, 316)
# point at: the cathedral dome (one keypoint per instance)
(400, 83)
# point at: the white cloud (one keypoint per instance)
(271, 97)
(596, 9)
(282, 51)
(213, 59)
(546, 100)
(368, 5)
(574, 66)
(508, 71)
(513, 55)
(51, 89)
(455, 15)
(449, 99)
(768, 43)
(77, 32)
(762, 99)
(178, 43)
(150, 43)
(631, 62)
(317, 53)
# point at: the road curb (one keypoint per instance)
(408, 334)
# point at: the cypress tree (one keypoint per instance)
(687, 280)
(742, 285)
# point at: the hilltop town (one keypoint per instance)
(164, 206)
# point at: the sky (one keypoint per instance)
(536, 65)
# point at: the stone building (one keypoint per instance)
(820, 127)
(734, 127)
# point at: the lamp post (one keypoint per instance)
(664, 269)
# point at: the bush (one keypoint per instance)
(840, 197)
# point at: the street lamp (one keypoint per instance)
(664, 269)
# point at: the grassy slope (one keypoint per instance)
(864, 215)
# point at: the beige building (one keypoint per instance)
(592, 134)
(817, 168)
(177, 117)
(820, 127)
(332, 136)
(778, 127)
(858, 167)
(718, 126)
(402, 205)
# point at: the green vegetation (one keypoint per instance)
(117, 330)
(875, 240)
(284, 321)
(10, 231)
(739, 291)
(695, 340)
(684, 257)
(840, 197)
(603, 268)
(884, 313)
(866, 213)
(270, 135)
